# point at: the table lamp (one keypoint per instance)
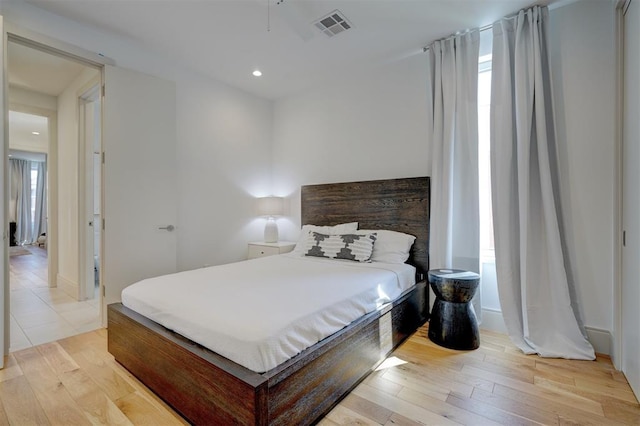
(271, 207)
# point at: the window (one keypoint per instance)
(487, 247)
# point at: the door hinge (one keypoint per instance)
(103, 90)
(104, 292)
(103, 224)
(624, 238)
(102, 157)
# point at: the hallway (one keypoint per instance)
(40, 314)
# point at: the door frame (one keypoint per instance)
(26, 37)
(85, 165)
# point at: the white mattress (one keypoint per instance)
(261, 312)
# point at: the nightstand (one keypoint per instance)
(261, 249)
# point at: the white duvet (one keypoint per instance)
(261, 312)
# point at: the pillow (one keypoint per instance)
(343, 228)
(357, 247)
(391, 246)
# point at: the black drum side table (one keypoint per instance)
(453, 323)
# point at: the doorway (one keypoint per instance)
(48, 297)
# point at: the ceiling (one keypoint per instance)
(228, 39)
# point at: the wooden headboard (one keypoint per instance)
(395, 204)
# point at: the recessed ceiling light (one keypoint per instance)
(257, 73)
(35, 133)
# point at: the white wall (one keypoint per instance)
(68, 242)
(223, 135)
(224, 147)
(372, 127)
(27, 101)
(582, 54)
(21, 96)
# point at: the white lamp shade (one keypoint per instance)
(271, 206)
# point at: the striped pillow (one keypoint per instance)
(348, 246)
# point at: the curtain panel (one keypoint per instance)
(40, 218)
(454, 236)
(20, 175)
(28, 228)
(532, 279)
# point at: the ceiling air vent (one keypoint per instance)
(332, 24)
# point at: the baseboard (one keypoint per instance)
(600, 340)
(68, 286)
(492, 320)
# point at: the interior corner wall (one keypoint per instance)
(583, 60)
(365, 128)
(224, 148)
(68, 244)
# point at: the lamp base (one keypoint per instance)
(271, 231)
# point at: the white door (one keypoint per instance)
(140, 181)
(4, 255)
(631, 200)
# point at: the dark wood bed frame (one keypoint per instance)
(207, 388)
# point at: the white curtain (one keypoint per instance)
(454, 237)
(532, 279)
(40, 218)
(20, 175)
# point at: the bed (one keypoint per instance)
(208, 388)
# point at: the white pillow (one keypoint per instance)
(343, 228)
(390, 246)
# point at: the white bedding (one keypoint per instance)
(261, 312)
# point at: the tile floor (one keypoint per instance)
(40, 314)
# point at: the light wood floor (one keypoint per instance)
(76, 381)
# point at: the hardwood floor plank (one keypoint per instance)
(112, 383)
(536, 414)
(20, 403)
(53, 396)
(443, 381)
(385, 385)
(76, 344)
(94, 402)
(11, 369)
(399, 420)
(443, 374)
(504, 370)
(535, 391)
(564, 408)
(613, 407)
(448, 411)
(141, 412)
(367, 408)
(344, 416)
(58, 358)
(327, 422)
(433, 390)
(400, 406)
(489, 412)
(4, 420)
